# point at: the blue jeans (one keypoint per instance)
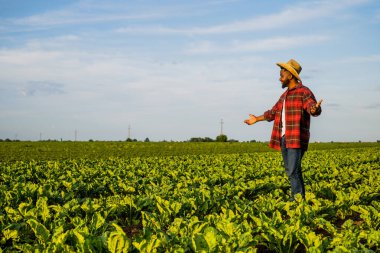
(292, 161)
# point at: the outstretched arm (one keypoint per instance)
(268, 115)
(253, 119)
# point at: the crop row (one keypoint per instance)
(200, 203)
(27, 150)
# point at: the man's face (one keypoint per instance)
(285, 77)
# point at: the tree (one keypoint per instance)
(200, 139)
(147, 139)
(221, 138)
(207, 139)
(195, 139)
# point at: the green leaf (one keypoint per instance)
(77, 221)
(160, 209)
(60, 239)
(150, 220)
(118, 229)
(13, 214)
(210, 235)
(140, 245)
(199, 243)
(117, 242)
(176, 207)
(326, 225)
(9, 234)
(26, 210)
(198, 227)
(245, 239)
(97, 220)
(176, 225)
(79, 236)
(42, 208)
(153, 244)
(374, 238)
(39, 230)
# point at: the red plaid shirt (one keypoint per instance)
(298, 103)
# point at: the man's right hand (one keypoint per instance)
(252, 120)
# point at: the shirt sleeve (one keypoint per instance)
(309, 102)
(270, 114)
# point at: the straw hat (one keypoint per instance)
(292, 66)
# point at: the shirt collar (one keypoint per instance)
(299, 85)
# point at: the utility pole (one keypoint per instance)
(129, 131)
(221, 126)
(76, 134)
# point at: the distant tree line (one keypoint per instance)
(8, 140)
(135, 140)
(200, 139)
(219, 138)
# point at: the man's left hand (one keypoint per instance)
(316, 107)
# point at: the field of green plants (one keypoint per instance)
(186, 197)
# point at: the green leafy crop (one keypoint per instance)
(219, 201)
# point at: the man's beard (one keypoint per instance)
(285, 84)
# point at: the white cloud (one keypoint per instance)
(361, 59)
(26, 57)
(276, 43)
(67, 17)
(42, 88)
(97, 77)
(82, 12)
(86, 77)
(292, 16)
(53, 42)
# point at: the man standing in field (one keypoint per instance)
(291, 115)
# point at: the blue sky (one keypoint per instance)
(173, 69)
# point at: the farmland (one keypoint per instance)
(186, 197)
